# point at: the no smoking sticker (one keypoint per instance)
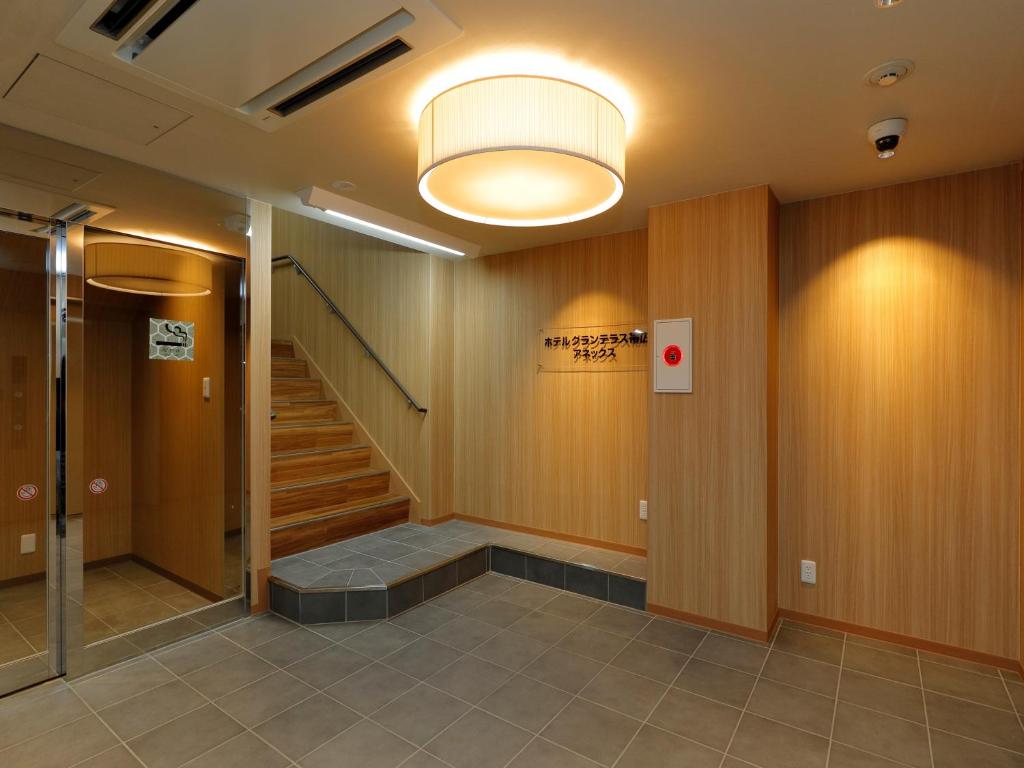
(98, 486)
(27, 492)
(672, 355)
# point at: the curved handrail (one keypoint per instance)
(348, 324)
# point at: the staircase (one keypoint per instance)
(323, 488)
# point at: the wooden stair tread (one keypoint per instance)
(318, 401)
(339, 477)
(313, 451)
(286, 521)
(310, 424)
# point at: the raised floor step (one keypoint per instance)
(317, 464)
(296, 389)
(330, 493)
(281, 348)
(305, 437)
(290, 368)
(305, 530)
(304, 411)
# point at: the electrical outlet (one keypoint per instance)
(808, 572)
(643, 509)
(28, 543)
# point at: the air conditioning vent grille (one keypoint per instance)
(364, 65)
(119, 16)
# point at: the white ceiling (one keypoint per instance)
(728, 94)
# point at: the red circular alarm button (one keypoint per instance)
(672, 355)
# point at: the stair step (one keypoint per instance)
(296, 389)
(304, 411)
(304, 466)
(306, 437)
(281, 348)
(288, 368)
(301, 531)
(320, 495)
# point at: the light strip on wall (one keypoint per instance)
(415, 242)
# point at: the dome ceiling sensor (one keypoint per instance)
(886, 135)
(891, 72)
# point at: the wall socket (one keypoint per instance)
(28, 543)
(643, 509)
(808, 572)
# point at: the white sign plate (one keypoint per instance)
(673, 355)
(171, 340)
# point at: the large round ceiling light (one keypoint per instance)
(521, 151)
(147, 270)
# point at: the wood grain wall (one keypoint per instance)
(713, 452)
(178, 443)
(24, 322)
(257, 390)
(396, 299)
(900, 408)
(558, 452)
(107, 380)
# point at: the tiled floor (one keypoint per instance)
(119, 597)
(392, 554)
(501, 672)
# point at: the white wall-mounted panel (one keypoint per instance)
(673, 355)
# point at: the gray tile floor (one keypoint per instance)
(387, 556)
(500, 673)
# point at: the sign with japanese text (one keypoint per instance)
(593, 348)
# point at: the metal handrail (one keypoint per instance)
(348, 324)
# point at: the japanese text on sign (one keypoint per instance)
(593, 348)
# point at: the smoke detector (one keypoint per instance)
(888, 74)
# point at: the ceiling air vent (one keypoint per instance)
(364, 65)
(266, 62)
(119, 16)
(171, 13)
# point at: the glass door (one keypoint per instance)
(31, 542)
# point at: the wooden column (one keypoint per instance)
(258, 382)
(713, 458)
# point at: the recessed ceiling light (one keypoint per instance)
(521, 151)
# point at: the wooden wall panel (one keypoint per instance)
(178, 444)
(384, 290)
(558, 452)
(24, 308)
(441, 421)
(107, 379)
(712, 453)
(900, 408)
(257, 355)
